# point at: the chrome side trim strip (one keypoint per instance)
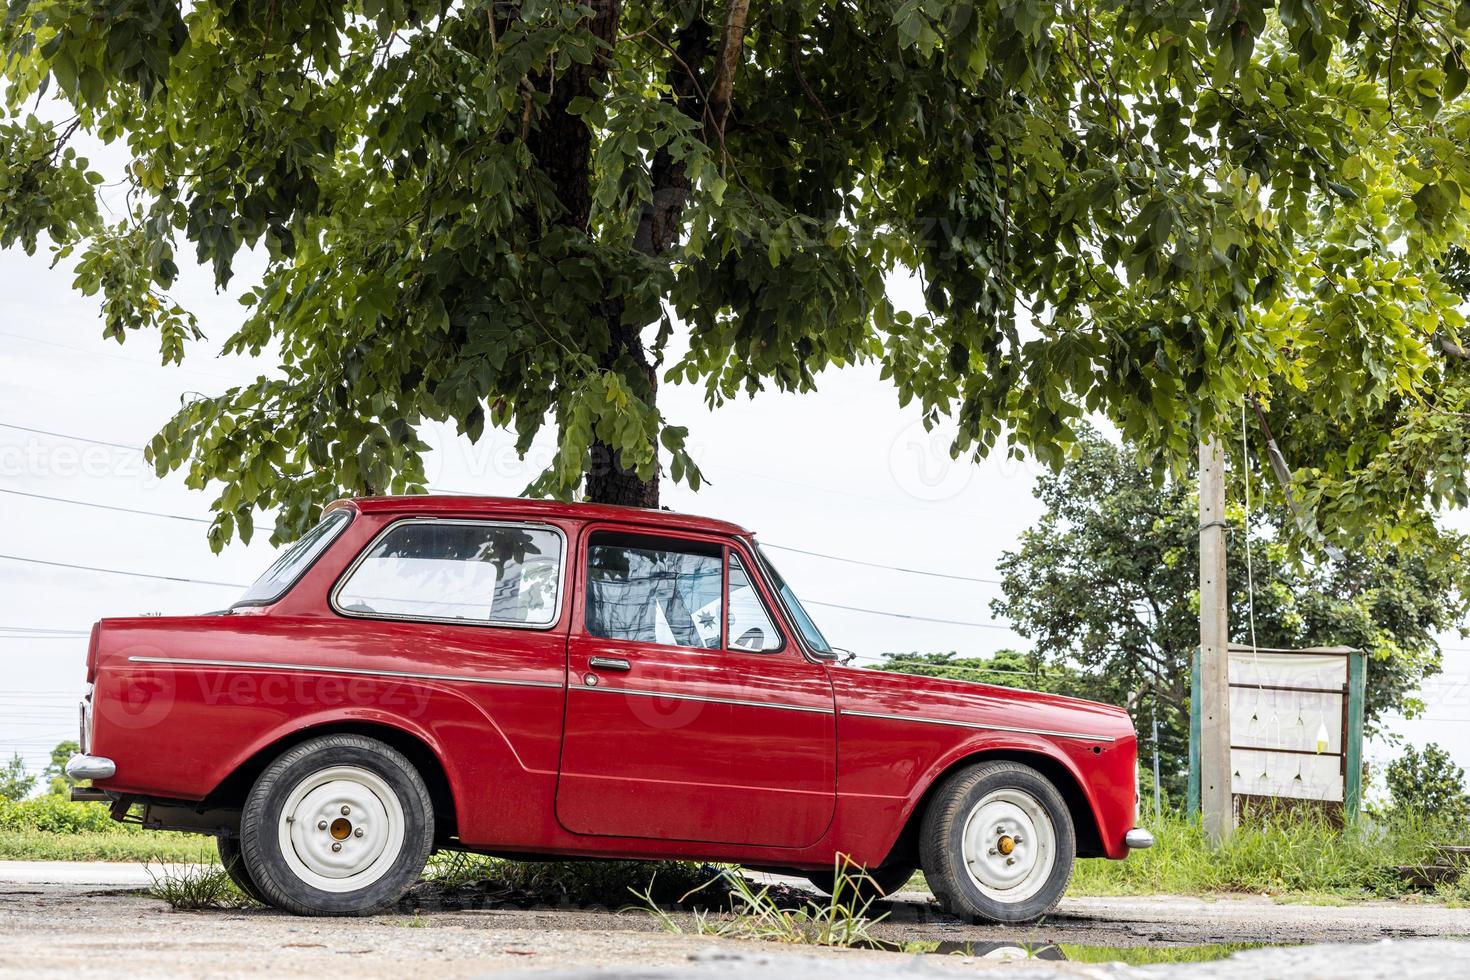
(989, 728)
(708, 700)
(357, 671)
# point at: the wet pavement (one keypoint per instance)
(88, 919)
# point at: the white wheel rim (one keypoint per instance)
(341, 829)
(1009, 845)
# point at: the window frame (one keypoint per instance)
(728, 545)
(584, 568)
(755, 586)
(367, 549)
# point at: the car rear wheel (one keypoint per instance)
(997, 843)
(867, 884)
(339, 825)
(233, 861)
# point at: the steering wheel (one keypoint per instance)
(752, 639)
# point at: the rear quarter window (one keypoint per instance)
(492, 573)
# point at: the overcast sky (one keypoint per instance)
(842, 472)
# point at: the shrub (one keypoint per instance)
(56, 815)
(1429, 785)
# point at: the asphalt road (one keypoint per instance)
(85, 919)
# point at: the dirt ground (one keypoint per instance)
(86, 919)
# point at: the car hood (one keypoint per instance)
(863, 690)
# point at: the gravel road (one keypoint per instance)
(87, 920)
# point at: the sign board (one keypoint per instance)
(1296, 725)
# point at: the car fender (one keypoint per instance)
(993, 743)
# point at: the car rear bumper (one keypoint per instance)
(1138, 838)
(90, 767)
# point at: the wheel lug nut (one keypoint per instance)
(321, 825)
(346, 809)
(993, 852)
(1010, 861)
(336, 847)
(357, 832)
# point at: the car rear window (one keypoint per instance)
(461, 571)
(295, 560)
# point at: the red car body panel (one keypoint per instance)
(775, 758)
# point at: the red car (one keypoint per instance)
(527, 678)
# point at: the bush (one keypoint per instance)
(1298, 854)
(56, 815)
(1428, 785)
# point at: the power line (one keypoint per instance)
(117, 571)
(123, 510)
(897, 615)
(63, 435)
(874, 564)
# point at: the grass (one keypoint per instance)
(194, 887)
(840, 920)
(561, 883)
(50, 828)
(1299, 858)
(38, 845)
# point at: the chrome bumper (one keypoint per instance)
(1137, 839)
(90, 767)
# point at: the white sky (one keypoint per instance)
(843, 471)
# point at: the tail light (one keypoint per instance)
(92, 646)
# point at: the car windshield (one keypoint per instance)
(809, 632)
(286, 569)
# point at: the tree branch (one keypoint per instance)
(732, 42)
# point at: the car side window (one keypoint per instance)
(653, 589)
(750, 625)
(474, 571)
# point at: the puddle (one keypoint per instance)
(1132, 955)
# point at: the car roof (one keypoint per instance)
(522, 507)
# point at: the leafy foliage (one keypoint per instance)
(1004, 668)
(491, 212)
(57, 781)
(1429, 784)
(15, 783)
(1107, 583)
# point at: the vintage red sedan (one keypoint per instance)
(521, 677)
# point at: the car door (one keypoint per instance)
(691, 713)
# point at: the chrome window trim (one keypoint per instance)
(774, 705)
(807, 651)
(353, 671)
(561, 588)
(977, 725)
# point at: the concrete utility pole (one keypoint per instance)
(1214, 647)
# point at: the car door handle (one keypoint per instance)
(610, 663)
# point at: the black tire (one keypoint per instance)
(867, 884)
(323, 778)
(233, 861)
(942, 851)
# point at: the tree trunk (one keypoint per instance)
(562, 148)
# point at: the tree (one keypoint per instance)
(1428, 786)
(1107, 582)
(1004, 668)
(15, 783)
(492, 212)
(57, 780)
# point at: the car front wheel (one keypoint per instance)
(997, 843)
(339, 825)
